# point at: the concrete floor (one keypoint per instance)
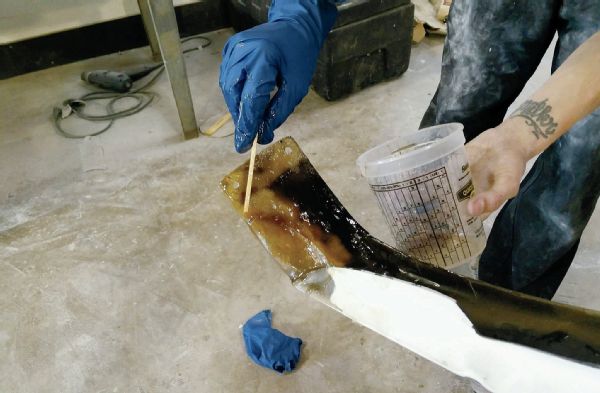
(124, 269)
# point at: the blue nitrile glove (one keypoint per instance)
(269, 347)
(281, 53)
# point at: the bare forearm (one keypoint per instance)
(570, 94)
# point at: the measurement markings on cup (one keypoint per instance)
(424, 212)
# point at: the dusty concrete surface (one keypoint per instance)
(123, 268)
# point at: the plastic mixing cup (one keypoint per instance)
(422, 182)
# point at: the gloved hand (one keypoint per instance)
(282, 54)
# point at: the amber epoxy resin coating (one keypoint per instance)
(305, 227)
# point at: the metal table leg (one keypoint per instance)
(166, 35)
(149, 27)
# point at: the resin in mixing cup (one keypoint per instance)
(422, 182)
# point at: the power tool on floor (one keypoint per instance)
(116, 86)
(118, 81)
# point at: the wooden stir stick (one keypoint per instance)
(218, 124)
(250, 175)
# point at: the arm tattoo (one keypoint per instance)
(537, 115)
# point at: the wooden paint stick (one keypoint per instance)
(218, 124)
(250, 175)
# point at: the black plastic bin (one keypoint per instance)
(369, 43)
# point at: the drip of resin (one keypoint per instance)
(306, 229)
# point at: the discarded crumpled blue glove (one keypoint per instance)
(281, 53)
(269, 347)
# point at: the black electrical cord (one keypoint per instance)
(142, 97)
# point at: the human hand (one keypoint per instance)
(281, 56)
(497, 164)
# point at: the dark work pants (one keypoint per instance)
(492, 49)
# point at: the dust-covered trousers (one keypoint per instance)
(492, 49)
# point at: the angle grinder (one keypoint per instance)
(118, 81)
